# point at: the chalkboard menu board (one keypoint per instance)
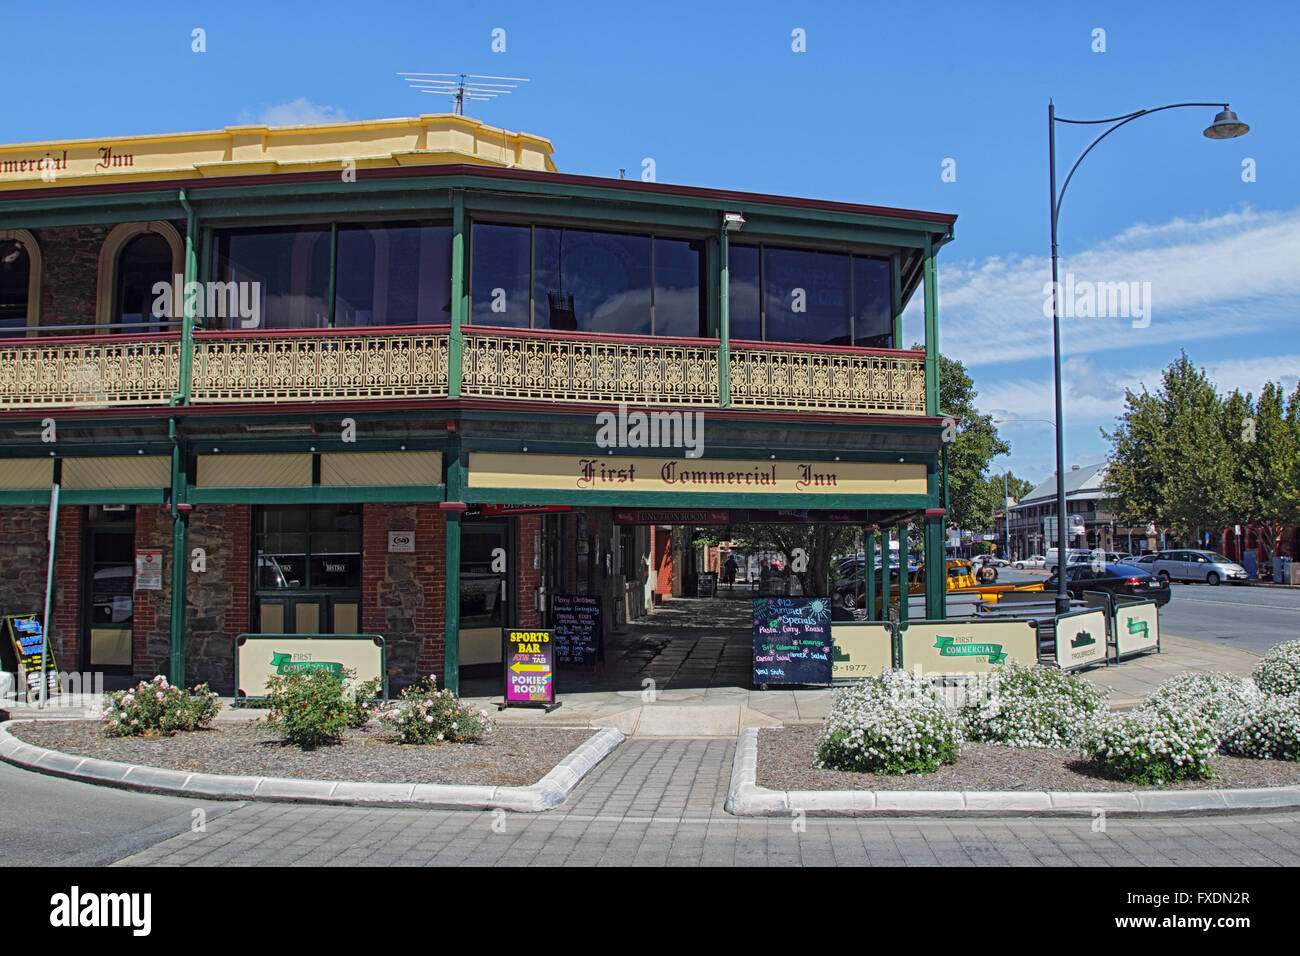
(25, 636)
(577, 628)
(792, 641)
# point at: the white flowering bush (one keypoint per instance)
(891, 724)
(157, 708)
(1278, 671)
(426, 715)
(1222, 699)
(1152, 745)
(1028, 706)
(1270, 730)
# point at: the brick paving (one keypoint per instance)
(658, 803)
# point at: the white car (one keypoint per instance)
(1033, 561)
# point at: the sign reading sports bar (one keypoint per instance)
(529, 669)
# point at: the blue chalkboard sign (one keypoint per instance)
(792, 641)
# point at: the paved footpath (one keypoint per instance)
(659, 802)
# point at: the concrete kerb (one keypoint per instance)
(746, 798)
(546, 794)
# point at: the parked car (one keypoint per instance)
(1033, 561)
(1113, 579)
(1144, 561)
(1208, 566)
(991, 559)
(1073, 556)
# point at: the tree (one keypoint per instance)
(1266, 439)
(820, 544)
(1170, 461)
(972, 498)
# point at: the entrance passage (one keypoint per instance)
(682, 644)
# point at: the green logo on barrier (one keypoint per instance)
(1138, 627)
(284, 664)
(947, 648)
(1083, 639)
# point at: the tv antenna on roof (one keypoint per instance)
(463, 86)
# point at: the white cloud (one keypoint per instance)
(1222, 276)
(295, 113)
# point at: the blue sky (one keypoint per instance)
(883, 95)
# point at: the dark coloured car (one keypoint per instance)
(1113, 579)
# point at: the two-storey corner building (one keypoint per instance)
(404, 377)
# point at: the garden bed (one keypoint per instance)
(787, 761)
(509, 757)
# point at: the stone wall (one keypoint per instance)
(71, 273)
(23, 562)
(404, 595)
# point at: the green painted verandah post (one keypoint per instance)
(904, 583)
(869, 572)
(931, 331)
(724, 321)
(456, 342)
(886, 572)
(452, 510)
(179, 483)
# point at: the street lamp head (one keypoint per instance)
(1226, 126)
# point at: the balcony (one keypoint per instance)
(323, 365)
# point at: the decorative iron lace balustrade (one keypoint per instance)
(324, 365)
(319, 367)
(598, 370)
(828, 380)
(97, 372)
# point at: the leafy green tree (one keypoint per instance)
(1265, 436)
(1170, 460)
(820, 544)
(972, 498)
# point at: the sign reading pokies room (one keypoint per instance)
(1080, 638)
(529, 667)
(258, 657)
(792, 641)
(967, 647)
(580, 474)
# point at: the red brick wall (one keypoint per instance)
(529, 578)
(151, 620)
(661, 561)
(67, 586)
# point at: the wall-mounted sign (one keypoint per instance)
(529, 668)
(692, 516)
(1080, 638)
(259, 656)
(576, 474)
(148, 569)
(792, 641)
(401, 542)
(496, 510)
(25, 635)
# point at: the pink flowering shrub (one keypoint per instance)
(426, 715)
(157, 708)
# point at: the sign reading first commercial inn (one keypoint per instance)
(693, 475)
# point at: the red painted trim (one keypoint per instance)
(456, 506)
(917, 354)
(726, 196)
(87, 338)
(273, 334)
(935, 512)
(590, 336)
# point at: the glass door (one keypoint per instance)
(108, 586)
(486, 576)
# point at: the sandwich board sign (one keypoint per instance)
(26, 636)
(529, 658)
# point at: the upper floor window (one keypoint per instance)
(15, 281)
(144, 261)
(582, 280)
(800, 295)
(384, 274)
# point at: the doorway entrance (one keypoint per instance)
(108, 590)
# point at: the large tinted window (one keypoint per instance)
(309, 547)
(290, 268)
(873, 320)
(743, 292)
(807, 296)
(679, 289)
(591, 281)
(393, 275)
(15, 273)
(500, 275)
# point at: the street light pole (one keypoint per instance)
(1225, 126)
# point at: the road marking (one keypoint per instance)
(1284, 607)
